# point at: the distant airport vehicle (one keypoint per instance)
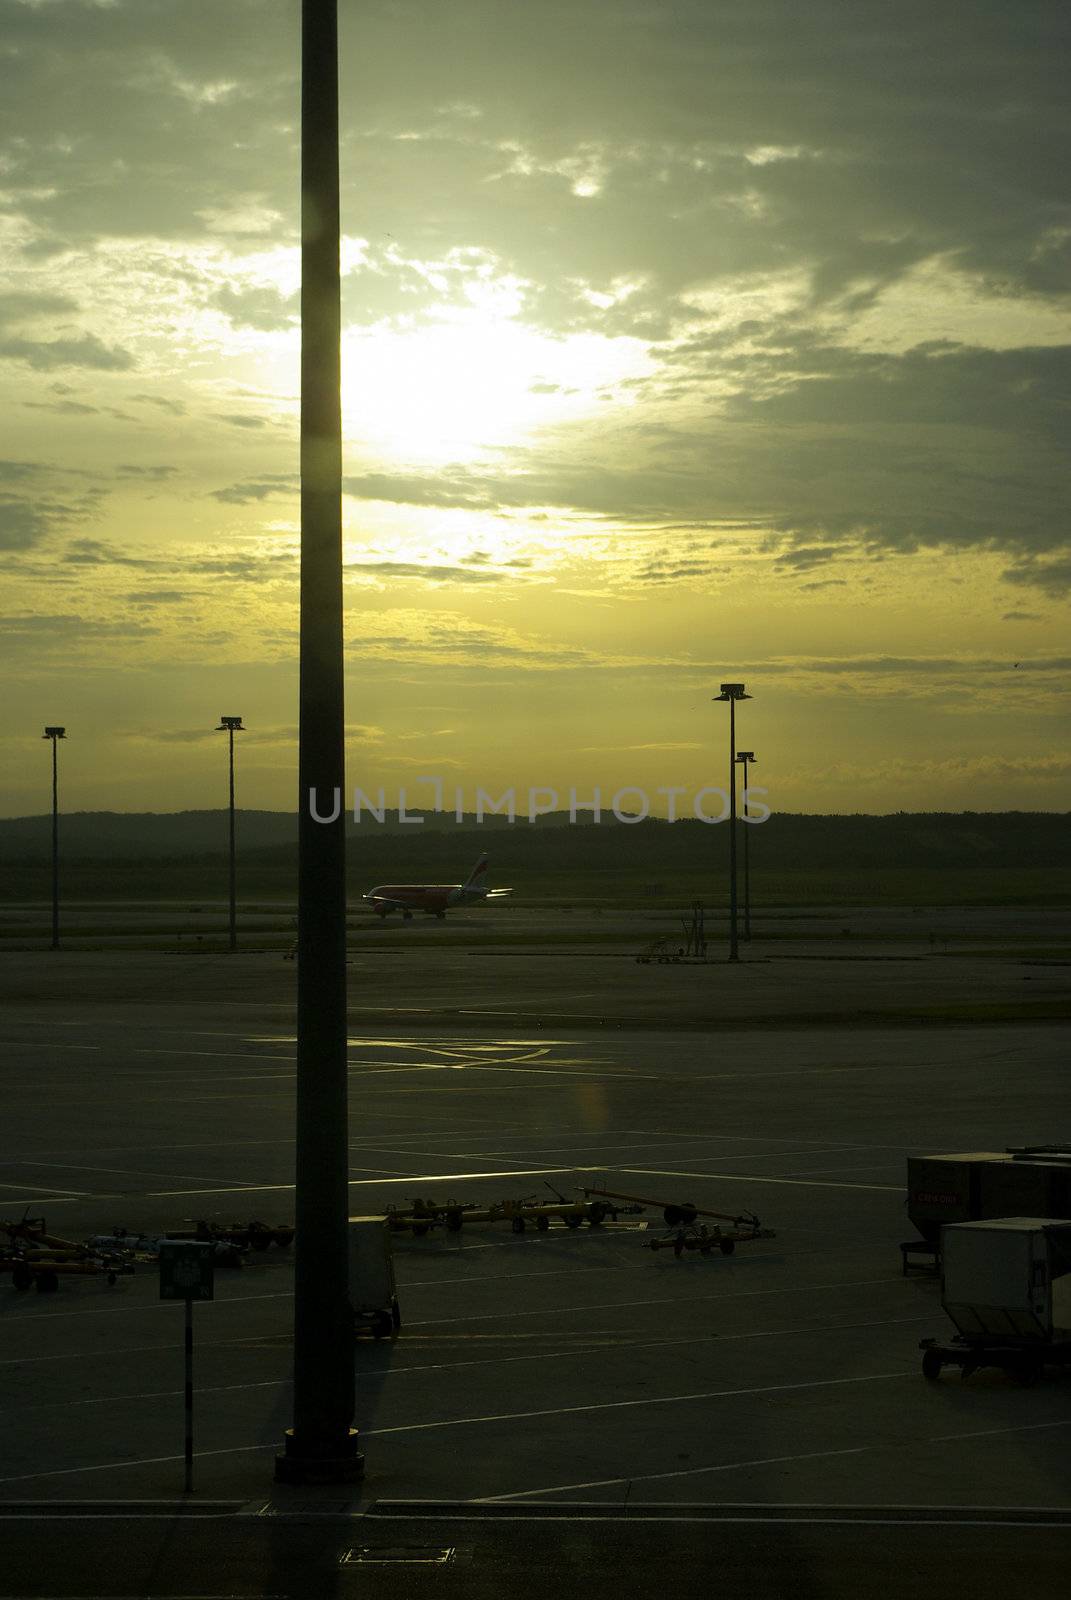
(433, 898)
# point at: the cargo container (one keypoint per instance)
(1008, 1278)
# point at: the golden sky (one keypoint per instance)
(684, 341)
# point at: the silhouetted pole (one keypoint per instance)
(231, 726)
(744, 756)
(732, 692)
(321, 1447)
(55, 734)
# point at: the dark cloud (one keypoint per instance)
(426, 572)
(257, 306)
(175, 407)
(237, 419)
(81, 350)
(153, 474)
(253, 489)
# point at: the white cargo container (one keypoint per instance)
(1008, 1278)
(371, 1276)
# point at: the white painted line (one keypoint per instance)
(361, 1183)
(985, 1433)
(750, 1177)
(462, 1422)
(601, 1343)
(623, 1405)
(654, 1477)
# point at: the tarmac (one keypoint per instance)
(560, 1405)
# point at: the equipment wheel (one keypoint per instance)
(382, 1325)
(454, 1220)
(111, 1280)
(678, 1246)
(931, 1365)
(727, 1246)
(542, 1223)
(572, 1219)
(21, 1277)
(597, 1213)
(420, 1229)
(47, 1282)
(518, 1224)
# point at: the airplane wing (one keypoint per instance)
(381, 902)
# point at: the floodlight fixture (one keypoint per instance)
(54, 733)
(234, 724)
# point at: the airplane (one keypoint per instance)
(432, 898)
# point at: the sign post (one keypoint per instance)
(186, 1273)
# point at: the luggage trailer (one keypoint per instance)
(690, 1234)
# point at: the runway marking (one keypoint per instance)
(130, 1172)
(629, 1305)
(75, 1194)
(488, 1282)
(601, 1342)
(464, 1422)
(652, 1477)
(750, 1177)
(359, 1183)
(985, 1433)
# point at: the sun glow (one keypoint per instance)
(473, 381)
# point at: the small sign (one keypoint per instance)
(186, 1269)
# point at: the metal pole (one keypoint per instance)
(188, 1352)
(234, 922)
(55, 845)
(747, 863)
(734, 951)
(321, 1447)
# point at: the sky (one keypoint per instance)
(684, 341)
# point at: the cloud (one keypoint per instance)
(238, 419)
(253, 489)
(426, 572)
(83, 350)
(259, 306)
(1052, 577)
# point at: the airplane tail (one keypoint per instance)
(475, 879)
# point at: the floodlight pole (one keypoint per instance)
(321, 1447)
(732, 692)
(744, 756)
(55, 734)
(231, 726)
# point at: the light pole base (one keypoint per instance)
(309, 1463)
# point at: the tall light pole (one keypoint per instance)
(55, 734)
(744, 756)
(732, 692)
(321, 1447)
(230, 726)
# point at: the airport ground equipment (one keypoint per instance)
(971, 1186)
(38, 1259)
(682, 1216)
(425, 1213)
(373, 1293)
(667, 951)
(1006, 1286)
